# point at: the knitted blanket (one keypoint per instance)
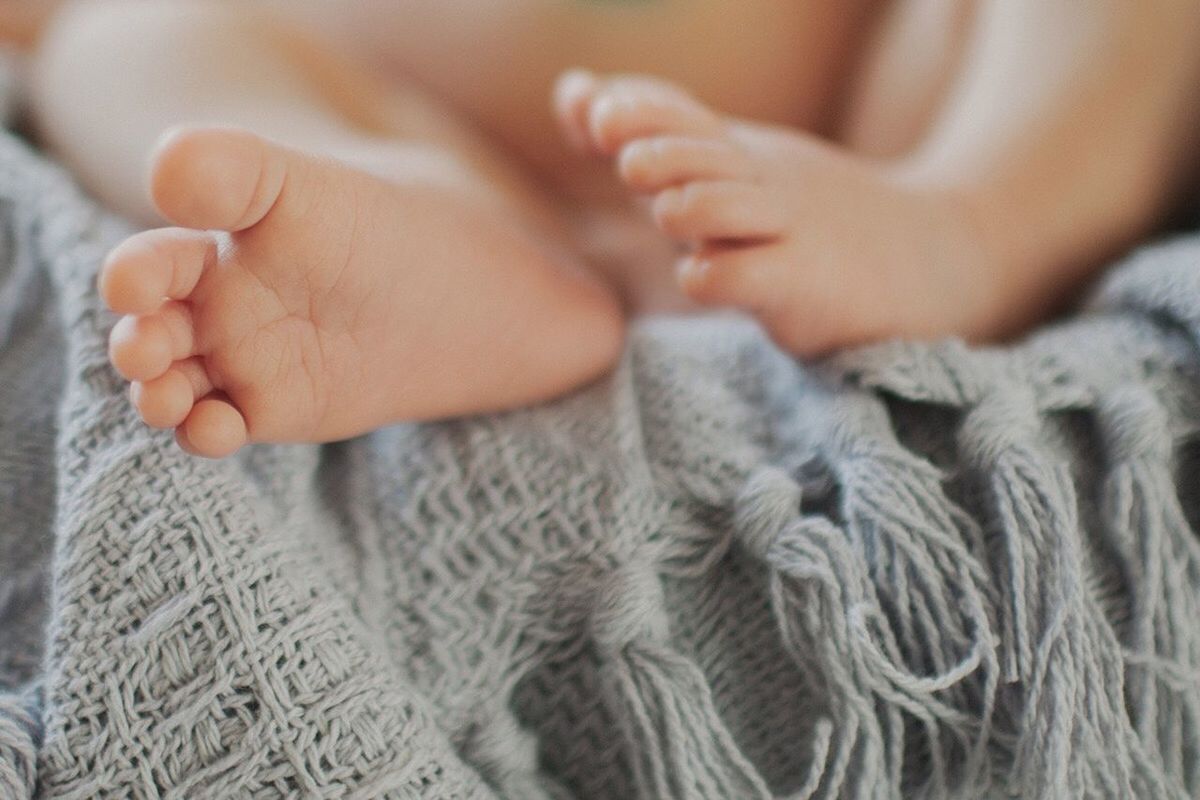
(914, 571)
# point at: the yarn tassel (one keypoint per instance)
(1161, 559)
(889, 610)
(506, 755)
(677, 744)
(1067, 699)
(815, 582)
(924, 632)
(924, 635)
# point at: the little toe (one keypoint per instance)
(145, 269)
(217, 178)
(181, 439)
(737, 277)
(623, 109)
(654, 164)
(143, 348)
(213, 429)
(166, 401)
(725, 210)
(761, 280)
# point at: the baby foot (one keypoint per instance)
(304, 300)
(825, 249)
(22, 21)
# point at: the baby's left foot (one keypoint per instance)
(826, 249)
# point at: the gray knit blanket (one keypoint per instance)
(913, 571)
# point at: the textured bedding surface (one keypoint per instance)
(912, 571)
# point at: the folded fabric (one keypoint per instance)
(915, 570)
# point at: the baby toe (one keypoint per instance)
(145, 269)
(166, 401)
(623, 109)
(163, 402)
(218, 178)
(763, 280)
(654, 164)
(573, 93)
(733, 210)
(213, 429)
(143, 348)
(737, 277)
(139, 349)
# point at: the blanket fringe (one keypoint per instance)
(1160, 555)
(677, 744)
(1065, 700)
(888, 609)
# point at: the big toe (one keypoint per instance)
(217, 178)
(573, 93)
(608, 113)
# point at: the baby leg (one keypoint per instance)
(344, 257)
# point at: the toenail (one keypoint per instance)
(574, 82)
(639, 148)
(635, 153)
(604, 107)
(669, 199)
(692, 270)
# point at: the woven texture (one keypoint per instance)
(914, 571)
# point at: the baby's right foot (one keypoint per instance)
(329, 302)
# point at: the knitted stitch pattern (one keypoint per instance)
(915, 571)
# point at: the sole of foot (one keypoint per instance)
(299, 299)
